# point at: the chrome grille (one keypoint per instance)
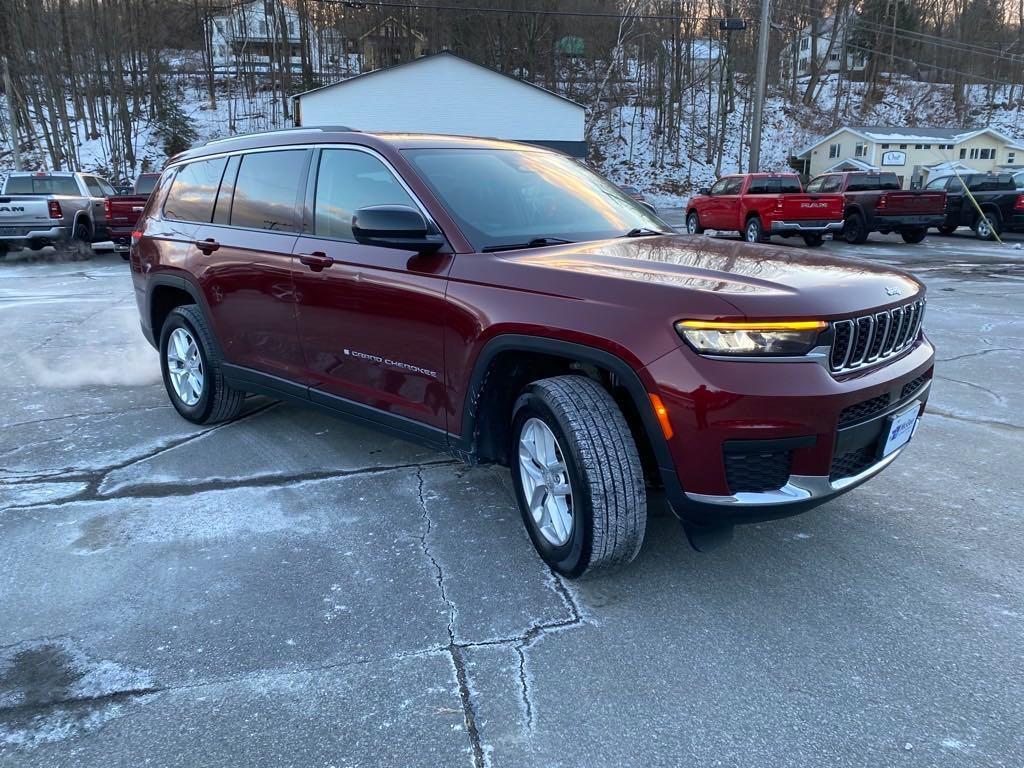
(862, 341)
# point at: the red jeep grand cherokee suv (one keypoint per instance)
(505, 304)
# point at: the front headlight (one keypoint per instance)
(775, 338)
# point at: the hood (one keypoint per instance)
(760, 281)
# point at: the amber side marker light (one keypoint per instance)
(662, 413)
(753, 325)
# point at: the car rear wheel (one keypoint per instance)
(813, 241)
(988, 227)
(577, 476)
(855, 231)
(915, 235)
(754, 233)
(190, 362)
(947, 230)
(693, 226)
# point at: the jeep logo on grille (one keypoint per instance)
(892, 290)
(13, 208)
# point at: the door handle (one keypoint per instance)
(317, 261)
(207, 246)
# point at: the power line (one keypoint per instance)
(360, 4)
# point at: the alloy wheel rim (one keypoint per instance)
(546, 485)
(983, 228)
(751, 233)
(185, 366)
(691, 225)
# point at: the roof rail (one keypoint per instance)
(298, 128)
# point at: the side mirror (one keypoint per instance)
(394, 226)
(704, 191)
(648, 206)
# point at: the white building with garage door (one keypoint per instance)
(444, 93)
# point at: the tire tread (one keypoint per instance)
(226, 401)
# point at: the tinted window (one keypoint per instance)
(41, 185)
(719, 187)
(93, 186)
(789, 185)
(761, 187)
(503, 197)
(938, 183)
(194, 189)
(733, 185)
(991, 183)
(817, 184)
(106, 187)
(267, 190)
(863, 182)
(348, 180)
(144, 185)
(222, 210)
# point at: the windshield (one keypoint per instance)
(41, 185)
(508, 197)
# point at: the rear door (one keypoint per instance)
(243, 259)
(98, 192)
(371, 319)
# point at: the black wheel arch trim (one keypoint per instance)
(166, 280)
(624, 372)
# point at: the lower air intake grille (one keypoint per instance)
(755, 472)
(852, 462)
(913, 386)
(863, 410)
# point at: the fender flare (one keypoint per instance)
(179, 282)
(623, 371)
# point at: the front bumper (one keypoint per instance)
(819, 425)
(805, 227)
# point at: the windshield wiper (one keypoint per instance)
(537, 242)
(644, 232)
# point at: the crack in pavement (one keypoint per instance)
(118, 412)
(979, 353)
(994, 395)
(519, 643)
(967, 419)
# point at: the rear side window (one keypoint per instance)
(349, 179)
(145, 185)
(761, 187)
(194, 190)
(267, 191)
(41, 185)
(866, 182)
(789, 185)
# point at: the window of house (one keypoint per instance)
(885, 146)
(263, 28)
(1011, 157)
(963, 153)
(861, 150)
(987, 154)
(833, 150)
(903, 146)
(805, 43)
(974, 153)
(833, 57)
(194, 189)
(267, 190)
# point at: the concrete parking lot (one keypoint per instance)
(291, 590)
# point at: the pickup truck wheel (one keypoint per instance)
(754, 233)
(813, 241)
(693, 226)
(947, 230)
(190, 361)
(4, 248)
(915, 235)
(577, 476)
(988, 227)
(855, 231)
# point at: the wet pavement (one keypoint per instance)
(291, 590)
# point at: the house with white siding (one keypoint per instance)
(913, 154)
(445, 93)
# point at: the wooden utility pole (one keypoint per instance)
(759, 87)
(12, 116)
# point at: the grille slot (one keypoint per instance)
(866, 340)
(863, 410)
(911, 387)
(756, 472)
(852, 462)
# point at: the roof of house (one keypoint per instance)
(413, 62)
(406, 27)
(896, 134)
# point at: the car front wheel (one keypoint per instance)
(577, 476)
(914, 235)
(190, 362)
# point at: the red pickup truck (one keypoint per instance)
(876, 202)
(760, 205)
(123, 211)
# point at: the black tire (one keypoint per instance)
(693, 224)
(218, 401)
(813, 241)
(988, 227)
(753, 232)
(81, 232)
(947, 230)
(855, 231)
(608, 493)
(4, 248)
(915, 235)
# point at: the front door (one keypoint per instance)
(371, 319)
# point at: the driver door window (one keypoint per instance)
(347, 181)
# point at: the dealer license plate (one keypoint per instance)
(901, 428)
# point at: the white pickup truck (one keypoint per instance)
(38, 209)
